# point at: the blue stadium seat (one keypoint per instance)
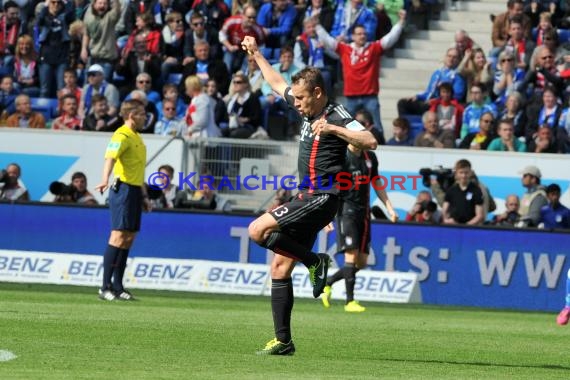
(416, 125)
(47, 106)
(174, 78)
(563, 35)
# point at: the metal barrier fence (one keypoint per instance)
(230, 161)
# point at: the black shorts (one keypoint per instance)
(126, 207)
(353, 231)
(305, 215)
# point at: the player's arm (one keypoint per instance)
(275, 80)
(383, 196)
(353, 133)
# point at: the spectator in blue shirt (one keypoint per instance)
(350, 13)
(277, 18)
(554, 214)
(418, 104)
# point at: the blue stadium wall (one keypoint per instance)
(483, 267)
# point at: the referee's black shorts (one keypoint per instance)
(305, 215)
(353, 231)
(126, 207)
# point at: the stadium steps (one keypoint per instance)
(406, 72)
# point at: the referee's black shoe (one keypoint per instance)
(318, 274)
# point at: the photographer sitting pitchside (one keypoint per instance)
(75, 192)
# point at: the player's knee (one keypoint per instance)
(281, 267)
(256, 232)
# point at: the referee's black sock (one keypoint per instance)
(282, 305)
(120, 270)
(349, 280)
(109, 265)
(282, 244)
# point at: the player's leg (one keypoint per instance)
(306, 214)
(357, 261)
(564, 314)
(266, 232)
(281, 306)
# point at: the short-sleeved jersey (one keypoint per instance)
(128, 149)
(364, 164)
(321, 158)
(462, 202)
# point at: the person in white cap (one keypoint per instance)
(534, 198)
(96, 84)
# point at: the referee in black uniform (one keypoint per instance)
(126, 154)
(290, 230)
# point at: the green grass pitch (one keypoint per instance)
(62, 332)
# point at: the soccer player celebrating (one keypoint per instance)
(290, 230)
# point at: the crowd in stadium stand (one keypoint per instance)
(69, 64)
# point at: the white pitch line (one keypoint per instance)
(6, 356)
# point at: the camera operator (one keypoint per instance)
(424, 212)
(75, 192)
(11, 188)
(165, 195)
(511, 216)
(463, 203)
(445, 178)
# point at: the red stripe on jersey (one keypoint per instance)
(312, 160)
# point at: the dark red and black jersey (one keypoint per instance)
(321, 158)
(364, 164)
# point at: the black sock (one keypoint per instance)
(337, 276)
(349, 280)
(282, 305)
(109, 264)
(282, 244)
(120, 270)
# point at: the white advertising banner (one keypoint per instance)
(49, 155)
(195, 276)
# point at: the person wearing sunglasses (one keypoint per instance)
(169, 124)
(244, 110)
(197, 32)
(144, 83)
(507, 78)
(171, 46)
(545, 75)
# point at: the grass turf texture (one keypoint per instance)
(62, 332)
